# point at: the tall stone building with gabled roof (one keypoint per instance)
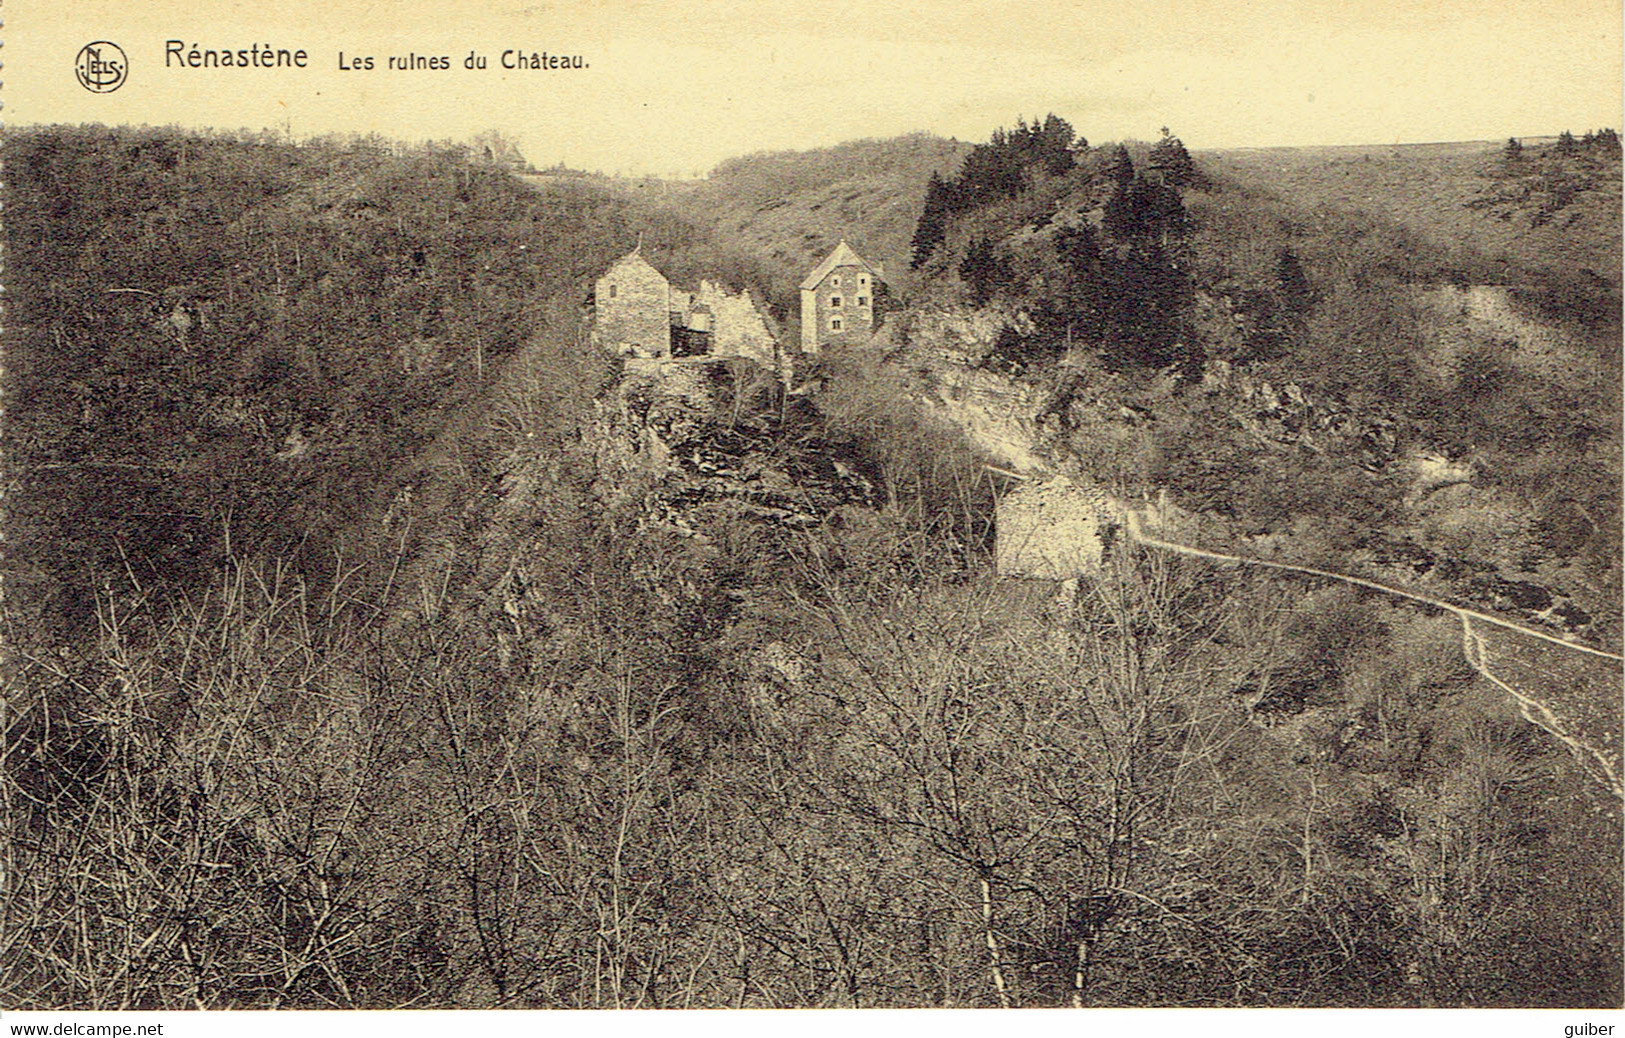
(838, 300)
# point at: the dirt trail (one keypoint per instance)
(1595, 750)
(1437, 603)
(993, 414)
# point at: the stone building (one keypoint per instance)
(1054, 530)
(632, 308)
(837, 300)
(637, 313)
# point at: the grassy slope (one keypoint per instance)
(1528, 394)
(790, 208)
(1447, 194)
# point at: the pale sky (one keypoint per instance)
(674, 86)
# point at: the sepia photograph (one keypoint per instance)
(664, 505)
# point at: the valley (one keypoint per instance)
(1194, 581)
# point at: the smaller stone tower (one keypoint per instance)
(632, 307)
(1053, 530)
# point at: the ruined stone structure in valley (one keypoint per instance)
(638, 314)
(1053, 530)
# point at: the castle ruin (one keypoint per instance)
(638, 314)
(1053, 530)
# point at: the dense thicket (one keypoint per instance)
(221, 339)
(1092, 250)
(1000, 169)
(882, 783)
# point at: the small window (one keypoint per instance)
(835, 302)
(835, 282)
(863, 281)
(612, 291)
(863, 300)
(834, 324)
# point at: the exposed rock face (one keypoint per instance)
(995, 414)
(1290, 417)
(959, 333)
(1431, 470)
(664, 448)
(1054, 530)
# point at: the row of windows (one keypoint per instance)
(835, 302)
(863, 281)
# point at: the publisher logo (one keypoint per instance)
(101, 67)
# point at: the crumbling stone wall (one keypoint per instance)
(737, 326)
(1054, 530)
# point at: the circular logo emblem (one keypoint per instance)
(101, 67)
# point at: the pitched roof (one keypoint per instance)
(843, 256)
(633, 259)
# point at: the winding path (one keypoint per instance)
(1598, 761)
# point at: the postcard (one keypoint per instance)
(928, 506)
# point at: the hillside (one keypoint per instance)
(223, 346)
(1321, 361)
(1541, 211)
(375, 641)
(790, 208)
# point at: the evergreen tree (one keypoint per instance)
(984, 271)
(1054, 143)
(1147, 304)
(1077, 305)
(992, 172)
(1120, 168)
(1000, 168)
(1161, 212)
(1174, 164)
(1291, 284)
(1513, 151)
(1565, 143)
(1148, 210)
(1120, 218)
(933, 225)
